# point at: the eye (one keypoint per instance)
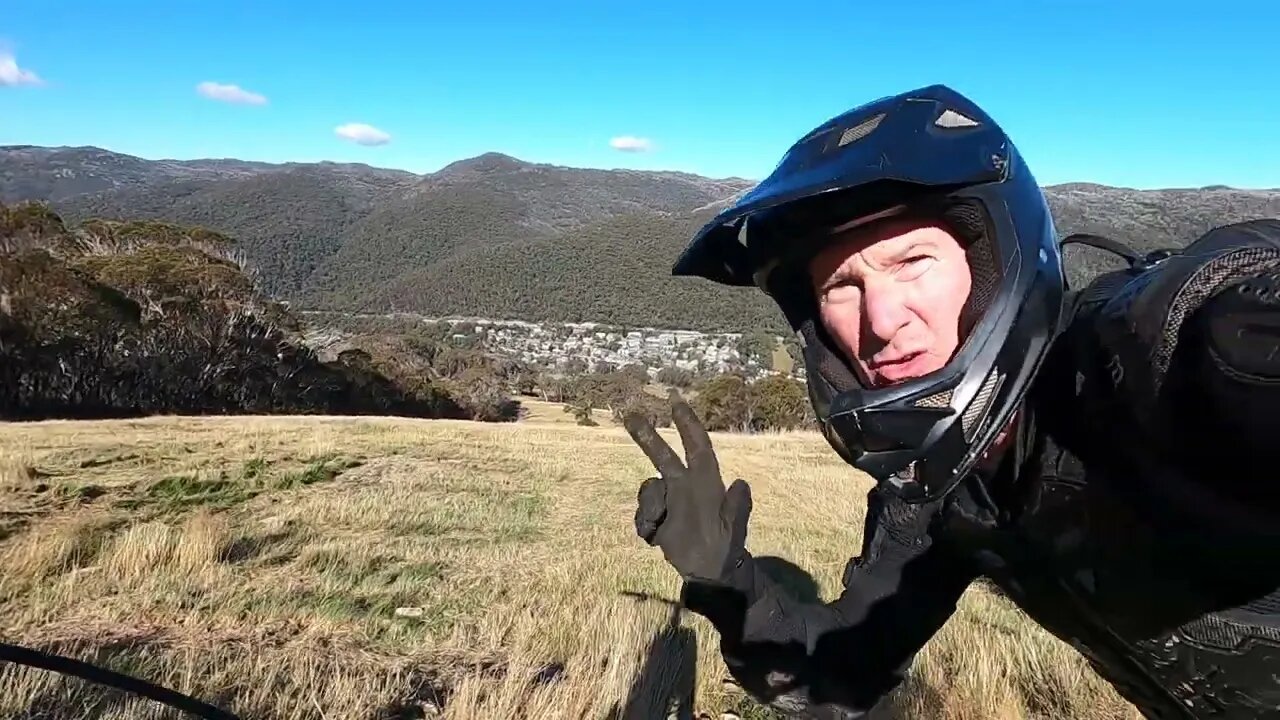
(914, 266)
(840, 289)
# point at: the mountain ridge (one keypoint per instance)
(269, 165)
(511, 238)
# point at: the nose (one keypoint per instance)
(884, 309)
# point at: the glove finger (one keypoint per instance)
(736, 510)
(698, 451)
(651, 508)
(643, 433)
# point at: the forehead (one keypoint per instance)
(879, 239)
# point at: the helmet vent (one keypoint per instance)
(936, 400)
(977, 411)
(952, 119)
(859, 131)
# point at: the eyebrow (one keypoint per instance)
(916, 244)
(842, 272)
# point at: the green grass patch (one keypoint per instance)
(220, 489)
(316, 472)
(179, 492)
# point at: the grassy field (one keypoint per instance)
(387, 568)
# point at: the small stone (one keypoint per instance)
(410, 612)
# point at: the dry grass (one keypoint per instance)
(365, 568)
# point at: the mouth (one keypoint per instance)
(898, 368)
(903, 358)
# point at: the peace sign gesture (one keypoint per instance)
(701, 527)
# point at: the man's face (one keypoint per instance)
(890, 294)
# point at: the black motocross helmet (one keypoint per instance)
(933, 152)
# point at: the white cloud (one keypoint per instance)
(362, 134)
(11, 75)
(230, 93)
(629, 143)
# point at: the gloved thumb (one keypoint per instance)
(651, 508)
(735, 510)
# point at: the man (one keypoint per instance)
(1106, 457)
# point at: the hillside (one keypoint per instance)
(121, 319)
(29, 172)
(317, 233)
(286, 218)
(500, 237)
(616, 271)
(477, 204)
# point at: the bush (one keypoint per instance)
(32, 226)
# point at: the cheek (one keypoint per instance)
(941, 305)
(841, 323)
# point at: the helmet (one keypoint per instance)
(930, 151)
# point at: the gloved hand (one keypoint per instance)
(700, 527)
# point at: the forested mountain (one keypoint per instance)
(496, 236)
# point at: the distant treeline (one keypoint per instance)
(726, 400)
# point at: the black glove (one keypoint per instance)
(701, 527)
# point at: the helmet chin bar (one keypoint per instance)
(888, 433)
(890, 429)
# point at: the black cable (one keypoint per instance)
(103, 676)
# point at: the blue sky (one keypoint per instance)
(1143, 94)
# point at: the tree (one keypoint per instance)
(778, 403)
(757, 346)
(452, 361)
(553, 387)
(675, 377)
(729, 402)
(581, 411)
(656, 409)
(525, 382)
(724, 403)
(482, 393)
(636, 372)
